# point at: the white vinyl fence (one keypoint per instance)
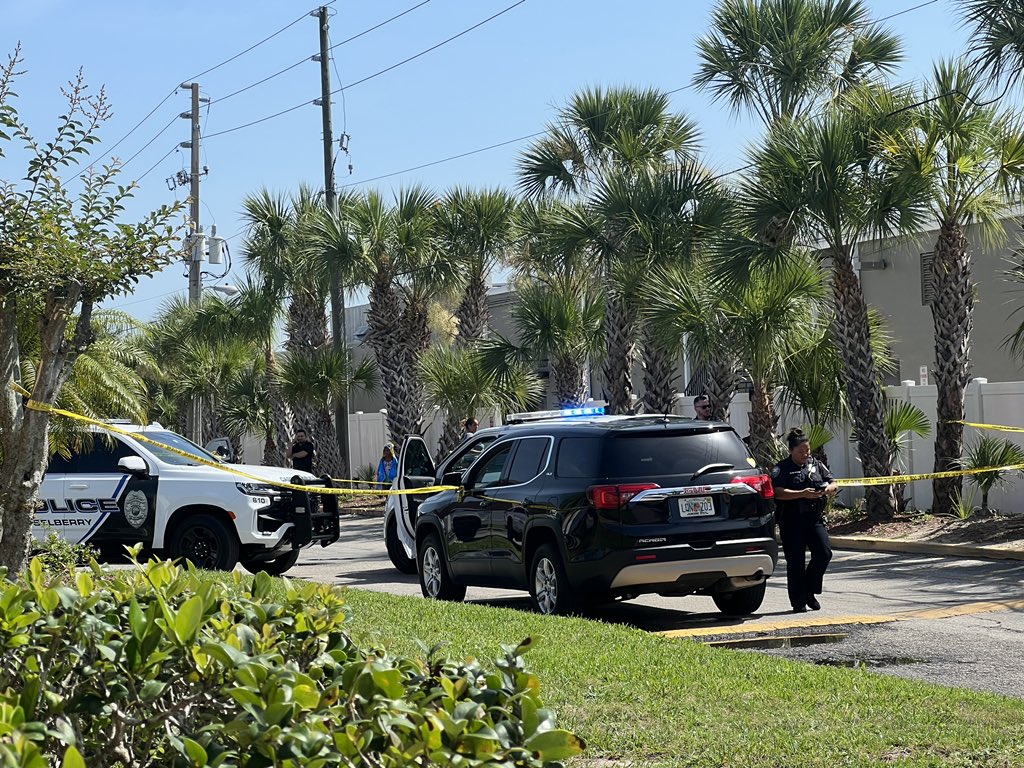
(987, 403)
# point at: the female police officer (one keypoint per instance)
(801, 485)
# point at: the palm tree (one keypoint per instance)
(996, 43)
(319, 378)
(475, 229)
(989, 452)
(559, 311)
(782, 58)
(459, 380)
(252, 315)
(279, 250)
(604, 134)
(811, 373)
(834, 181)
(974, 157)
(661, 217)
(405, 272)
(761, 323)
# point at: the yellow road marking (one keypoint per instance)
(965, 609)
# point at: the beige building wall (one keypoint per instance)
(896, 290)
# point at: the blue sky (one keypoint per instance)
(498, 82)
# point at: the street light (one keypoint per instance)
(227, 290)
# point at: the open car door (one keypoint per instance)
(415, 470)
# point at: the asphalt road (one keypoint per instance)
(952, 621)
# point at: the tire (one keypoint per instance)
(435, 583)
(549, 585)
(742, 602)
(275, 567)
(396, 552)
(207, 542)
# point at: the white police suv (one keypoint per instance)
(121, 489)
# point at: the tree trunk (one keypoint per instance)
(275, 451)
(863, 387)
(23, 430)
(568, 381)
(327, 459)
(952, 315)
(620, 330)
(763, 423)
(307, 331)
(391, 339)
(452, 433)
(472, 313)
(659, 377)
(724, 378)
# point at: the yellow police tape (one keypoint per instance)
(842, 482)
(231, 470)
(997, 427)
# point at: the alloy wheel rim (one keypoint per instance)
(432, 572)
(201, 548)
(545, 586)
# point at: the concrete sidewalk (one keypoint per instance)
(926, 548)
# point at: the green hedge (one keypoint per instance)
(156, 666)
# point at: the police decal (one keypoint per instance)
(136, 508)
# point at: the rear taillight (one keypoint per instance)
(760, 483)
(616, 496)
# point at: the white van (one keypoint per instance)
(119, 491)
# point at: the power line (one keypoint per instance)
(175, 89)
(905, 10)
(305, 59)
(368, 77)
(153, 167)
(434, 47)
(261, 42)
(378, 26)
(146, 145)
(446, 159)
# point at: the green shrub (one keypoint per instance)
(156, 666)
(60, 555)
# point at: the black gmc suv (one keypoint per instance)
(614, 507)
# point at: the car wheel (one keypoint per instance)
(742, 602)
(549, 586)
(396, 552)
(207, 542)
(435, 582)
(275, 567)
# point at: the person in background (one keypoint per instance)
(702, 407)
(471, 425)
(301, 452)
(802, 486)
(387, 468)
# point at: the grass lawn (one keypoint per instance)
(653, 701)
(643, 700)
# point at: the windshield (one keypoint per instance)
(174, 440)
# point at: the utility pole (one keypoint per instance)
(194, 418)
(338, 335)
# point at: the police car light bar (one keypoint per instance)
(594, 409)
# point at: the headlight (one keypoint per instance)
(257, 489)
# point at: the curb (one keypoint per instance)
(924, 548)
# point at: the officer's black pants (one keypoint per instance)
(802, 531)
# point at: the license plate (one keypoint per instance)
(697, 506)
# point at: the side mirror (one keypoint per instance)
(133, 465)
(452, 478)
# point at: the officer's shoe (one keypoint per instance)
(813, 603)
(799, 609)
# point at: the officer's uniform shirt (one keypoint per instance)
(813, 474)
